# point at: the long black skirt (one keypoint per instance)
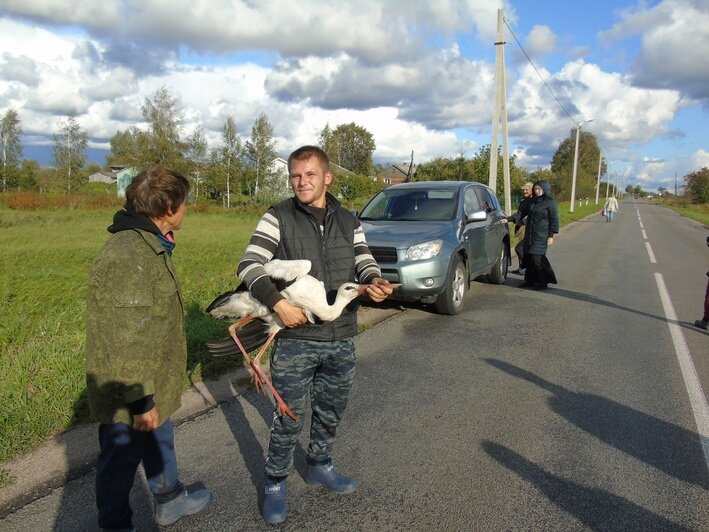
(539, 270)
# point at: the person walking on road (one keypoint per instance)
(311, 361)
(136, 353)
(542, 216)
(520, 220)
(611, 208)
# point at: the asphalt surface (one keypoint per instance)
(563, 409)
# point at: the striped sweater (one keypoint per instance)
(291, 230)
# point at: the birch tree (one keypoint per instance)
(231, 154)
(261, 150)
(162, 114)
(70, 150)
(197, 156)
(10, 146)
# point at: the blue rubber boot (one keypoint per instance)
(184, 504)
(274, 508)
(326, 475)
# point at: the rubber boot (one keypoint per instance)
(274, 508)
(185, 503)
(326, 475)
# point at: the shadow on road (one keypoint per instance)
(246, 438)
(665, 446)
(578, 296)
(595, 508)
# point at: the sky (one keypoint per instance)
(417, 74)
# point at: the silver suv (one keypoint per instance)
(435, 237)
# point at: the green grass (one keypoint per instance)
(43, 269)
(566, 217)
(699, 213)
(5, 478)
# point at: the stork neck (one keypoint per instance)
(332, 312)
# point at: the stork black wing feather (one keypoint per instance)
(252, 336)
(222, 298)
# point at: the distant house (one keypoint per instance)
(124, 177)
(103, 177)
(280, 169)
(336, 168)
(396, 173)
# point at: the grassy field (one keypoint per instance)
(43, 269)
(46, 256)
(699, 213)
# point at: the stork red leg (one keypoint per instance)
(260, 377)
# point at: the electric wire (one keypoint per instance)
(538, 74)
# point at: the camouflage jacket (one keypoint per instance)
(135, 338)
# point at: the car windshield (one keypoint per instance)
(412, 205)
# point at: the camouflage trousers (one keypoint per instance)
(302, 369)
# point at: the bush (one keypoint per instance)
(32, 201)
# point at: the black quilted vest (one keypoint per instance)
(333, 260)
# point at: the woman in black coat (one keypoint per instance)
(542, 224)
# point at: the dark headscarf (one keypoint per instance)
(128, 218)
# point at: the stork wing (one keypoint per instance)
(288, 270)
(223, 298)
(252, 336)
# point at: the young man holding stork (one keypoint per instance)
(313, 361)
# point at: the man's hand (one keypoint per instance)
(550, 241)
(379, 289)
(148, 421)
(290, 315)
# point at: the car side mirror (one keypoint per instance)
(477, 216)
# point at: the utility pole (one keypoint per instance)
(598, 179)
(576, 162)
(499, 112)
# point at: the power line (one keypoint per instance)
(538, 74)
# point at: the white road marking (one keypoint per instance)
(644, 234)
(650, 253)
(697, 399)
(641, 226)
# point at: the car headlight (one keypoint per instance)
(425, 250)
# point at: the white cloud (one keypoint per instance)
(368, 29)
(623, 115)
(402, 69)
(700, 159)
(541, 40)
(20, 69)
(437, 89)
(101, 14)
(674, 34)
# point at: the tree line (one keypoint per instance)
(241, 169)
(244, 168)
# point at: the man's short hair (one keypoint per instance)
(306, 152)
(157, 191)
(528, 185)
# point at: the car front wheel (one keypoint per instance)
(498, 274)
(450, 301)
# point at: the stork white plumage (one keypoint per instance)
(240, 303)
(306, 292)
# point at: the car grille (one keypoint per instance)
(391, 274)
(384, 255)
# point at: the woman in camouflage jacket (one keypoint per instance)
(136, 352)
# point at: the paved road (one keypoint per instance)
(560, 410)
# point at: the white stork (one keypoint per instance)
(306, 292)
